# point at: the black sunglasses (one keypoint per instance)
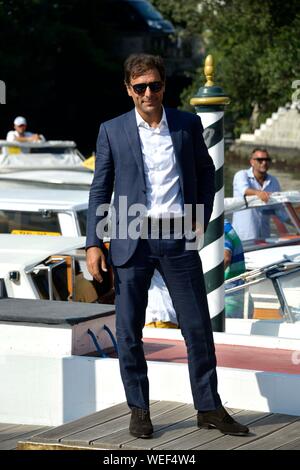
(140, 88)
(260, 160)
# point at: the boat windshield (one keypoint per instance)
(267, 293)
(29, 223)
(257, 300)
(3, 292)
(265, 226)
(51, 279)
(290, 287)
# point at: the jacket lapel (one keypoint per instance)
(176, 136)
(133, 138)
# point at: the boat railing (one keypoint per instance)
(39, 145)
(273, 290)
(233, 204)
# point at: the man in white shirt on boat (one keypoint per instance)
(256, 181)
(20, 134)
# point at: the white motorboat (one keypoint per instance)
(51, 163)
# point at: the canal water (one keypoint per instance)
(289, 178)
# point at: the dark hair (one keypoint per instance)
(138, 64)
(258, 149)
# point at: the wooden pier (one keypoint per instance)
(174, 429)
(10, 434)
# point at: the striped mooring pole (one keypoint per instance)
(209, 103)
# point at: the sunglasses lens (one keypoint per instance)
(140, 88)
(155, 86)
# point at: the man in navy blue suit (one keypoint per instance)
(156, 163)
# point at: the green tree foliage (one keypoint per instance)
(185, 14)
(256, 47)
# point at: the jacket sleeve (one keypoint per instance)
(101, 188)
(205, 173)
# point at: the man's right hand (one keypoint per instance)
(263, 195)
(95, 259)
(34, 138)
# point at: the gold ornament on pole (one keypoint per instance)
(209, 70)
(210, 94)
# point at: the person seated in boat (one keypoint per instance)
(234, 265)
(256, 181)
(105, 290)
(90, 291)
(20, 134)
(84, 289)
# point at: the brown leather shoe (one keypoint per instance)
(221, 420)
(140, 423)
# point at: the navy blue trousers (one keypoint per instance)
(182, 273)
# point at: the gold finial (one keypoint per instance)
(209, 70)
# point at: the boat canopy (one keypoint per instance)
(49, 154)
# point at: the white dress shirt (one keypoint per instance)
(163, 189)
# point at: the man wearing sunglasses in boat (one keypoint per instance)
(256, 181)
(156, 157)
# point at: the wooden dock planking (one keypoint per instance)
(4, 427)
(186, 424)
(178, 421)
(87, 422)
(260, 428)
(206, 436)
(167, 417)
(10, 434)
(278, 439)
(112, 434)
(293, 445)
(174, 429)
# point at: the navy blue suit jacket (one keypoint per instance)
(119, 168)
